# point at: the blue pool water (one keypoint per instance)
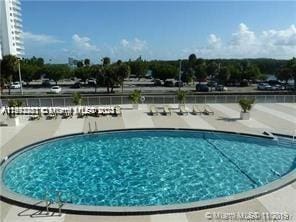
(146, 168)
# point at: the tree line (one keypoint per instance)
(110, 75)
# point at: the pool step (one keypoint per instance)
(286, 142)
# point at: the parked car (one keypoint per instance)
(264, 86)
(202, 88)
(244, 83)
(157, 82)
(76, 85)
(212, 83)
(289, 86)
(274, 82)
(169, 83)
(221, 88)
(179, 84)
(278, 87)
(91, 82)
(46, 83)
(15, 85)
(55, 89)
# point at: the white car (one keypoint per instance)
(15, 85)
(264, 86)
(55, 89)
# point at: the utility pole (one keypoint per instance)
(20, 75)
(180, 72)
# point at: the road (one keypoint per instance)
(147, 89)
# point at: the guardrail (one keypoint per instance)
(151, 99)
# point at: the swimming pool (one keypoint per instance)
(137, 168)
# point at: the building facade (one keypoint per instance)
(11, 40)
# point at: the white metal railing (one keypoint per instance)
(153, 99)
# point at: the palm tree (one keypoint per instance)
(135, 97)
(9, 68)
(181, 96)
(106, 61)
(77, 98)
(123, 72)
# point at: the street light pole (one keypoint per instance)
(179, 83)
(20, 76)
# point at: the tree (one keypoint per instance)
(97, 72)
(83, 73)
(164, 71)
(188, 76)
(106, 61)
(192, 59)
(31, 68)
(292, 66)
(56, 71)
(212, 69)
(110, 77)
(284, 74)
(235, 74)
(34, 61)
(224, 75)
(9, 70)
(86, 62)
(123, 71)
(138, 68)
(251, 72)
(79, 64)
(201, 72)
(29, 71)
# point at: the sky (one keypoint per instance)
(164, 30)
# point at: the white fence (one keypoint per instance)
(152, 99)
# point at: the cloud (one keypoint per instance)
(135, 45)
(83, 43)
(243, 36)
(286, 37)
(40, 38)
(214, 41)
(245, 43)
(124, 43)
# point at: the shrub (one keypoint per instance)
(246, 104)
(135, 96)
(14, 103)
(181, 96)
(77, 98)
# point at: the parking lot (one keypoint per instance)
(145, 85)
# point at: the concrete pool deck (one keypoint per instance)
(278, 118)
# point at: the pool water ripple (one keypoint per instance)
(146, 168)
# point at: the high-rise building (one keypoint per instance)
(11, 42)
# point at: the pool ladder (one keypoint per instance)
(59, 202)
(90, 128)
